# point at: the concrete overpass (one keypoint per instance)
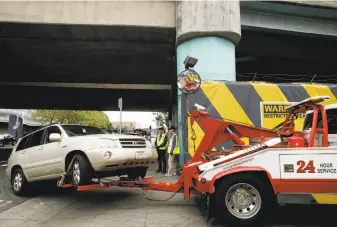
(85, 55)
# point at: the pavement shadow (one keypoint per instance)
(47, 188)
(101, 196)
(93, 197)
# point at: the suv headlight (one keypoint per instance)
(107, 143)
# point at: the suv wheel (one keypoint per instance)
(18, 182)
(81, 171)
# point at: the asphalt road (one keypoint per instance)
(287, 216)
(7, 198)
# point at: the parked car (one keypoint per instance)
(7, 140)
(47, 152)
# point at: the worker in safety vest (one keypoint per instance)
(173, 151)
(161, 146)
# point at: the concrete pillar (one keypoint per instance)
(209, 31)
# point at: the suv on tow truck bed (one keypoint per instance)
(47, 152)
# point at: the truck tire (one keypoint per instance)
(82, 172)
(19, 182)
(243, 200)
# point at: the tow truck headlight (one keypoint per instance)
(107, 155)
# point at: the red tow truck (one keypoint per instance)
(242, 184)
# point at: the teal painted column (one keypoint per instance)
(216, 61)
(208, 31)
(216, 57)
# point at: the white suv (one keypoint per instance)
(47, 152)
(331, 112)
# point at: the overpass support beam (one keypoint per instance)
(209, 31)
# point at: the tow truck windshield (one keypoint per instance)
(79, 130)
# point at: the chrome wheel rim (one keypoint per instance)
(243, 201)
(76, 173)
(17, 183)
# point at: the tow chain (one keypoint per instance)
(193, 137)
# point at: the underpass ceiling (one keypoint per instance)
(128, 55)
(30, 97)
(286, 57)
(96, 54)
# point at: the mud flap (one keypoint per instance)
(208, 207)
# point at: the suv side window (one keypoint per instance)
(35, 139)
(50, 130)
(22, 144)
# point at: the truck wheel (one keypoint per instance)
(243, 200)
(19, 182)
(81, 171)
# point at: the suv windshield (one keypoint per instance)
(79, 130)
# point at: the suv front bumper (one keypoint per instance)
(121, 158)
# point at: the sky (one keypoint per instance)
(145, 119)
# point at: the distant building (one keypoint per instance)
(127, 127)
(17, 122)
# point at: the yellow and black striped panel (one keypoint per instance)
(314, 198)
(247, 103)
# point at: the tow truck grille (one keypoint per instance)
(133, 143)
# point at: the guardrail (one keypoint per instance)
(5, 152)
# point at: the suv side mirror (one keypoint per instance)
(55, 137)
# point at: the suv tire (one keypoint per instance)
(81, 171)
(19, 182)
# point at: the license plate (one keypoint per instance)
(141, 155)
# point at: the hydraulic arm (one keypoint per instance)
(218, 131)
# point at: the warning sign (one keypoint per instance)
(274, 113)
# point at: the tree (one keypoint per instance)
(161, 118)
(89, 118)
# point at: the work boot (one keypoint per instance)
(164, 171)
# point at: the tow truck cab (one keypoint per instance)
(331, 111)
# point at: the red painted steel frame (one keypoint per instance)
(314, 130)
(216, 132)
(316, 108)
